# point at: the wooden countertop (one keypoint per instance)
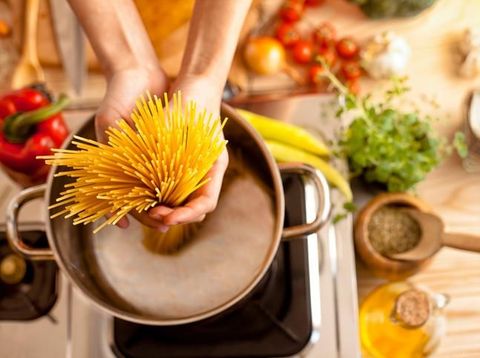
(454, 194)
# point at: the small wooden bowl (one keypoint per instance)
(383, 266)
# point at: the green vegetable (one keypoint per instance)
(379, 9)
(391, 147)
(386, 145)
(460, 144)
(348, 207)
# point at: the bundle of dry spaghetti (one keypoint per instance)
(161, 159)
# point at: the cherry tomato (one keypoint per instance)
(291, 11)
(351, 70)
(324, 35)
(353, 85)
(287, 34)
(328, 54)
(4, 29)
(303, 52)
(314, 3)
(315, 74)
(347, 48)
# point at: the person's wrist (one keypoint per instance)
(151, 68)
(207, 87)
(153, 78)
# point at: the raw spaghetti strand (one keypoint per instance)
(162, 159)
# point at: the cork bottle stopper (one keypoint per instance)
(412, 308)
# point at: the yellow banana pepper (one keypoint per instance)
(272, 129)
(285, 153)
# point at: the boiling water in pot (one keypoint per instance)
(216, 265)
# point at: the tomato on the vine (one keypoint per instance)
(328, 55)
(303, 52)
(351, 70)
(287, 34)
(316, 74)
(324, 35)
(353, 85)
(347, 48)
(291, 11)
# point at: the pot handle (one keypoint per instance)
(13, 236)
(323, 195)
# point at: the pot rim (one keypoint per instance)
(279, 213)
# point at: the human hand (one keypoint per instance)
(123, 90)
(204, 200)
(124, 87)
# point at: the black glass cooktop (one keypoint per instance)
(31, 292)
(274, 321)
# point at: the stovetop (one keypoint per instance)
(33, 311)
(274, 321)
(28, 289)
(79, 330)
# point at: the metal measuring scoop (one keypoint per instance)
(433, 238)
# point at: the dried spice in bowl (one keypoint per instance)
(392, 231)
(380, 263)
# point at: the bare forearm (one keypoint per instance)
(212, 39)
(116, 33)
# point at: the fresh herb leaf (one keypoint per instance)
(350, 206)
(339, 217)
(387, 145)
(460, 144)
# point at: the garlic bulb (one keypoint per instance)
(470, 40)
(471, 65)
(386, 55)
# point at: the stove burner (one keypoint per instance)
(31, 291)
(274, 321)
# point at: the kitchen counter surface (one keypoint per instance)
(453, 193)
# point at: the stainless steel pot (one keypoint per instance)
(69, 244)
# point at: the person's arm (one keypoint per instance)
(120, 42)
(116, 33)
(122, 46)
(212, 40)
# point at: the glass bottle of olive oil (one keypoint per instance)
(400, 320)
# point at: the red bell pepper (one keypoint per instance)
(30, 126)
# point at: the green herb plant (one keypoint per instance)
(386, 145)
